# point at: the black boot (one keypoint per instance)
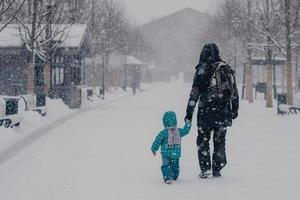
(216, 174)
(205, 174)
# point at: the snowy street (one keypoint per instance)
(105, 154)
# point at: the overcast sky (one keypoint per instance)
(142, 11)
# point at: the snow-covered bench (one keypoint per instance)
(260, 87)
(8, 119)
(294, 110)
(87, 94)
(283, 108)
(30, 105)
(11, 120)
(287, 109)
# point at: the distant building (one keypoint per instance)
(176, 41)
(125, 71)
(67, 64)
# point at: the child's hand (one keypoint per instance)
(187, 121)
(154, 153)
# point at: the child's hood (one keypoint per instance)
(169, 119)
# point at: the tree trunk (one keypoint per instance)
(31, 65)
(47, 78)
(47, 66)
(283, 80)
(289, 77)
(30, 79)
(249, 77)
(269, 92)
(269, 100)
(297, 72)
(107, 73)
(289, 66)
(249, 84)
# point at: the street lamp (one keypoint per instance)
(235, 24)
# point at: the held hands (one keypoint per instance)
(187, 120)
(154, 153)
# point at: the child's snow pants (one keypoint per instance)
(170, 168)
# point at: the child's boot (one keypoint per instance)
(169, 182)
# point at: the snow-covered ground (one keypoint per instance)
(33, 124)
(104, 153)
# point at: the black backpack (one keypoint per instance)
(223, 83)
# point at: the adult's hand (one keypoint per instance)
(187, 119)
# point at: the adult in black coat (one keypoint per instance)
(213, 115)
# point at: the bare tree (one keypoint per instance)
(41, 22)
(288, 12)
(232, 28)
(267, 27)
(108, 26)
(290, 20)
(5, 6)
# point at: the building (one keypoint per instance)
(67, 64)
(125, 71)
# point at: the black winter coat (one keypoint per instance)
(211, 113)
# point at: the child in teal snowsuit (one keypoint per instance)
(169, 139)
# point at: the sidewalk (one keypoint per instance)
(35, 126)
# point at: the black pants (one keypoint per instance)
(219, 156)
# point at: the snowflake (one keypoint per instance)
(192, 103)
(201, 72)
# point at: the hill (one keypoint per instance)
(177, 39)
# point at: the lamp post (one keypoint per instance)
(235, 24)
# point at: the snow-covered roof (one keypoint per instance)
(10, 36)
(131, 60)
(75, 36)
(264, 58)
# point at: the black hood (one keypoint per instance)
(210, 54)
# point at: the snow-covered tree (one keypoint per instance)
(111, 31)
(6, 17)
(266, 27)
(232, 29)
(289, 18)
(40, 22)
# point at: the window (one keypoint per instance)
(58, 76)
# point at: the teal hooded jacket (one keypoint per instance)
(161, 140)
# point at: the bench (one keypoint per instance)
(294, 110)
(11, 121)
(31, 104)
(9, 116)
(89, 94)
(287, 109)
(261, 87)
